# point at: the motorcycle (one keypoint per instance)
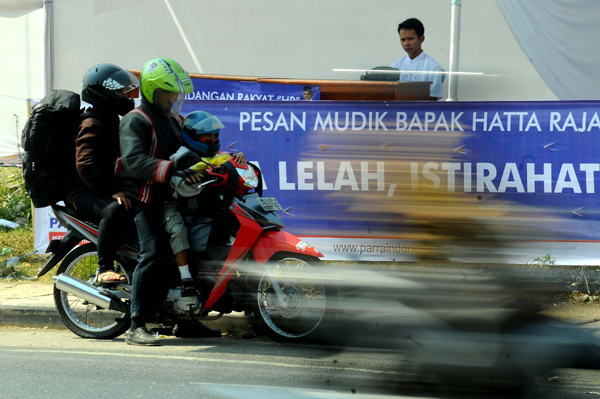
(253, 266)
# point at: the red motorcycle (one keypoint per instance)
(253, 266)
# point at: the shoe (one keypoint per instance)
(195, 330)
(141, 337)
(188, 287)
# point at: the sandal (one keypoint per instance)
(110, 277)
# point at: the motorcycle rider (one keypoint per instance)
(96, 195)
(200, 136)
(148, 136)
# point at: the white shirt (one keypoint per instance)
(422, 62)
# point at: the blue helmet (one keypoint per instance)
(197, 123)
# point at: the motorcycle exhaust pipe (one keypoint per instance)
(86, 291)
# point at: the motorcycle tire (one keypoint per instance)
(82, 318)
(310, 301)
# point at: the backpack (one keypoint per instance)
(373, 74)
(48, 139)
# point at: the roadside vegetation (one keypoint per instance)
(15, 206)
(582, 283)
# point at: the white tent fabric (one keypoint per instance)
(21, 68)
(560, 38)
(17, 8)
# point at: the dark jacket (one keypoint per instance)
(96, 151)
(147, 140)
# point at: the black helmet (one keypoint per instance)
(104, 86)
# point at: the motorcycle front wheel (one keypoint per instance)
(308, 300)
(81, 317)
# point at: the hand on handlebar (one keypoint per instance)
(190, 176)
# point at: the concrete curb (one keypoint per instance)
(25, 316)
(46, 317)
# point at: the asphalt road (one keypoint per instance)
(37, 363)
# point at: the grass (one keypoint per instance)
(17, 242)
(15, 204)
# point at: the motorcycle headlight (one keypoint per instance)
(249, 177)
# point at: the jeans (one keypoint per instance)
(111, 219)
(155, 260)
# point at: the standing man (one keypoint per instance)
(414, 67)
(148, 136)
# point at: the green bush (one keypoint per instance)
(15, 204)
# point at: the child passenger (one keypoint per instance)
(200, 134)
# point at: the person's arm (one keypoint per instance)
(240, 158)
(136, 158)
(92, 166)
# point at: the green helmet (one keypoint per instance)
(166, 74)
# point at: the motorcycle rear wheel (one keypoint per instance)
(82, 318)
(309, 300)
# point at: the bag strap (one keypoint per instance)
(233, 182)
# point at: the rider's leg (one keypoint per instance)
(146, 274)
(188, 285)
(110, 229)
(182, 263)
(178, 236)
(111, 219)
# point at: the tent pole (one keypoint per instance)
(454, 50)
(48, 46)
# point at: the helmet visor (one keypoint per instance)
(178, 104)
(168, 102)
(122, 81)
(209, 125)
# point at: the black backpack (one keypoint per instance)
(49, 142)
(389, 74)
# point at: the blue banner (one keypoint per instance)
(539, 154)
(213, 89)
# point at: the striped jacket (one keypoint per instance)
(147, 140)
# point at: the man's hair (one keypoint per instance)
(307, 88)
(413, 24)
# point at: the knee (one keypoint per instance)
(114, 210)
(177, 231)
(175, 227)
(148, 253)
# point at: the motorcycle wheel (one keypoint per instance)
(309, 300)
(82, 318)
